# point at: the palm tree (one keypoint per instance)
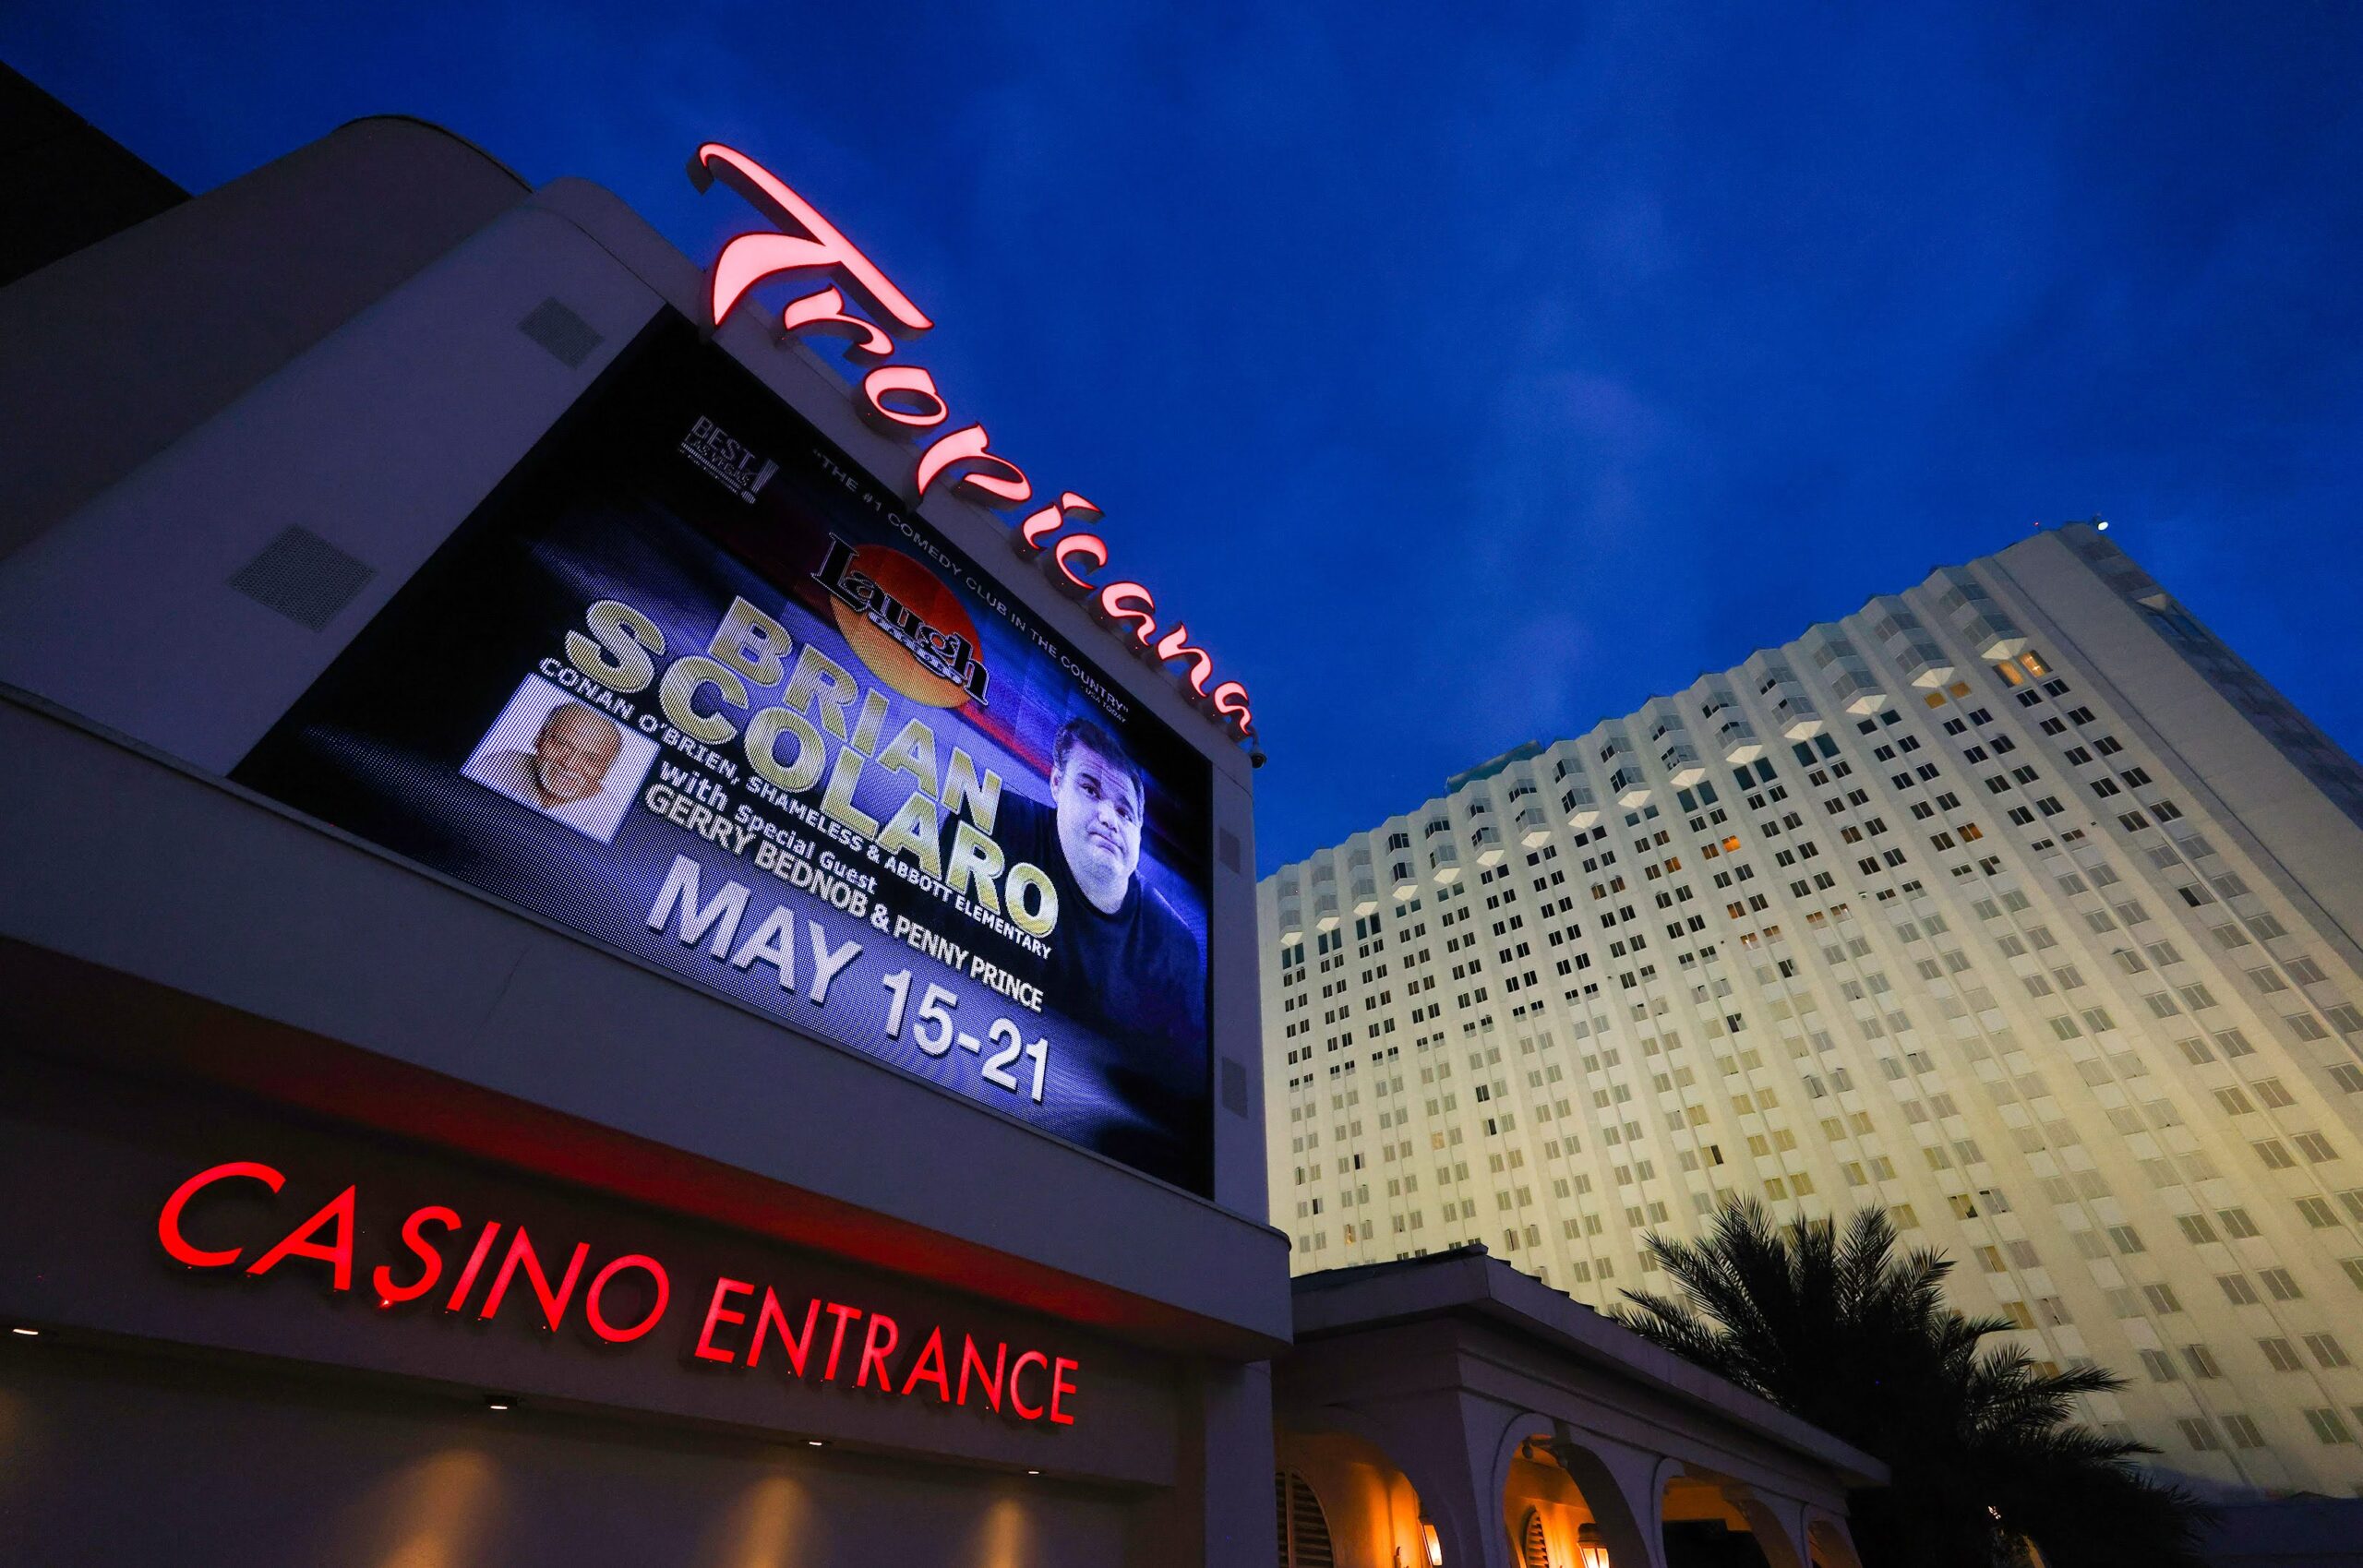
(1853, 1335)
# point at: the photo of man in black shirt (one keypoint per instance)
(1121, 961)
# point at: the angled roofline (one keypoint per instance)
(1469, 1280)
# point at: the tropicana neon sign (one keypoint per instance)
(901, 399)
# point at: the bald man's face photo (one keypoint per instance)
(572, 754)
(1098, 809)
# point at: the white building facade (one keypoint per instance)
(2015, 902)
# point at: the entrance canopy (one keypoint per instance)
(1451, 1410)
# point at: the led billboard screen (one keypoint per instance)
(697, 687)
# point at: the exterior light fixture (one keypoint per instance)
(28, 1333)
(814, 1443)
(1435, 1543)
(495, 1402)
(1589, 1547)
(1032, 1472)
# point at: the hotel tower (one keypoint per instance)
(2015, 902)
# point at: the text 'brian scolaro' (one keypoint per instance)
(822, 731)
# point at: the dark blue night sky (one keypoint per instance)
(1465, 374)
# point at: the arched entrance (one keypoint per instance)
(1563, 1506)
(1305, 1542)
(1345, 1503)
(1707, 1527)
(1573, 1501)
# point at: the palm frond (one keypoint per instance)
(1846, 1328)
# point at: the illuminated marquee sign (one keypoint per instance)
(692, 683)
(901, 399)
(626, 1298)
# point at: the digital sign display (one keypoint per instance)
(694, 685)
